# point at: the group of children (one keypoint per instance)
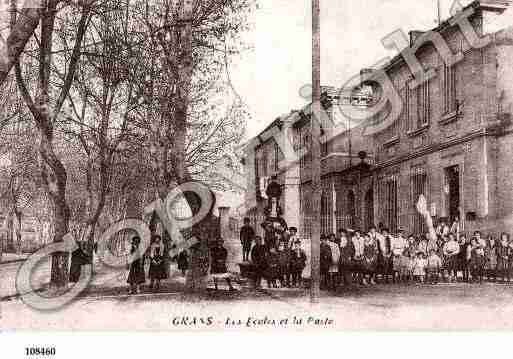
(216, 263)
(278, 257)
(157, 270)
(283, 263)
(359, 257)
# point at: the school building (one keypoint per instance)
(453, 143)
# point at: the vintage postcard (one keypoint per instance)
(255, 165)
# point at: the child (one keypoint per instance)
(451, 251)
(464, 257)
(419, 267)
(476, 260)
(325, 261)
(247, 234)
(284, 260)
(297, 264)
(411, 264)
(273, 268)
(156, 272)
(491, 258)
(259, 260)
(370, 253)
(136, 275)
(434, 264)
(503, 253)
(335, 260)
(404, 265)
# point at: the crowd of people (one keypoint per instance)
(444, 254)
(278, 257)
(157, 270)
(155, 264)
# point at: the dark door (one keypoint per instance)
(452, 175)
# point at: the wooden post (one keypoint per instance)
(315, 149)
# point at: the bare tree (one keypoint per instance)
(103, 102)
(18, 187)
(21, 32)
(187, 35)
(45, 105)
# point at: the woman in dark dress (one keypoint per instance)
(78, 259)
(463, 257)
(183, 261)
(370, 253)
(477, 261)
(218, 268)
(136, 275)
(157, 271)
(491, 258)
(503, 254)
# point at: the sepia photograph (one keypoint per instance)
(255, 165)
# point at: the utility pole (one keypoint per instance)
(439, 15)
(315, 149)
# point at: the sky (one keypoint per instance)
(269, 77)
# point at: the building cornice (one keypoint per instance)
(435, 147)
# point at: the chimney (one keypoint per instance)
(414, 35)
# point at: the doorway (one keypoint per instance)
(452, 192)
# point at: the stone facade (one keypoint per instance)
(453, 143)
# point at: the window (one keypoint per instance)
(324, 149)
(388, 201)
(270, 157)
(417, 106)
(449, 88)
(369, 209)
(392, 132)
(304, 162)
(418, 179)
(258, 164)
(339, 209)
(264, 161)
(351, 209)
(423, 105)
(408, 106)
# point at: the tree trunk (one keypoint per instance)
(10, 230)
(18, 38)
(18, 216)
(54, 177)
